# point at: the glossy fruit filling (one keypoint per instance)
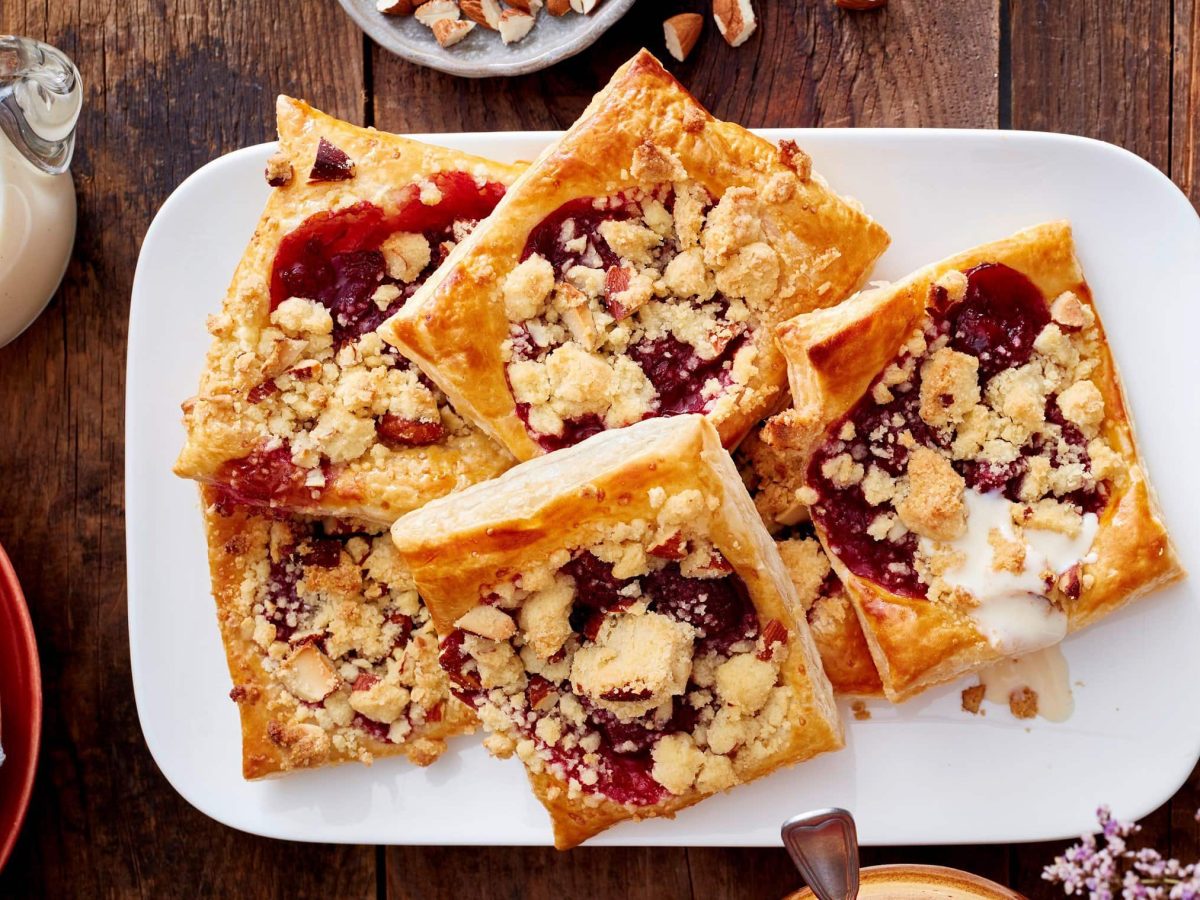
(678, 375)
(269, 478)
(720, 611)
(334, 257)
(997, 321)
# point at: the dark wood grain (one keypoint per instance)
(1185, 112)
(507, 873)
(1098, 69)
(808, 64)
(169, 86)
(173, 84)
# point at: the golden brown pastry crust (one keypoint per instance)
(454, 329)
(273, 742)
(774, 478)
(384, 482)
(833, 356)
(566, 500)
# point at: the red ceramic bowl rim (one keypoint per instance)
(12, 596)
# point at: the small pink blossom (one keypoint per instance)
(1114, 870)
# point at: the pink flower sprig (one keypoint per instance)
(1111, 869)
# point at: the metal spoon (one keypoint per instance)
(824, 846)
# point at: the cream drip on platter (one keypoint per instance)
(1011, 609)
(1044, 672)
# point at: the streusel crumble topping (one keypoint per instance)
(341, 629)
(632, 667)
(644, 303)
(326, 390)
(989, 415)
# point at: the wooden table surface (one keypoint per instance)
(172, 84)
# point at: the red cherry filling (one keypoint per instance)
(334, 257)
(673, 367)
(997, 321)
(394, 431)
(718, 608)
(679, 375)
(268, 478)
(331, 164)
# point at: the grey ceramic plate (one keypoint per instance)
(481, 53)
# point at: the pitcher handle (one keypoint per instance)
(41, 95)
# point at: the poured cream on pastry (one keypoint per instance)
(1012, 611)
(1044, 672)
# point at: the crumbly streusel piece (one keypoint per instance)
(301, 406)
(332, 653)
(623, 624)
(636, 270)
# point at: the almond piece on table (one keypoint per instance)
(558, 7)
(484, 12)
(681, 33)
(436, 11)
(735, 20)
(584, 7)
(514, 25)
(450, 31)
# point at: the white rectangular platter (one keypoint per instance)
(925, 772)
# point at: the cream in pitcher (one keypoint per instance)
(40, 98)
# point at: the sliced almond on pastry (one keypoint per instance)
(309, 674)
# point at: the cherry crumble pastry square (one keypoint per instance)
(301, 404)
(332, 653)
(636, 269)
(969, 461)
(622, 622)
(775, 485)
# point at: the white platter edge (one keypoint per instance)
(247, 812)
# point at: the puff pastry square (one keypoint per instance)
(622, 622)
(302, 407)
(775, 483)
(970, 461)
(332, 654)
(636, 269)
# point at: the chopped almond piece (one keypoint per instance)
(735, 20)
(584, 6)
(558, 7)
(489, 622)
(681, 33)
(449, 31)
(514, 25)
(484, 12)
(396, 7)
(309, 675)
(436, 11)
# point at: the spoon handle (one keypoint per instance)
(824, 846)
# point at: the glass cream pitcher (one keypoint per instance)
(40, 99)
